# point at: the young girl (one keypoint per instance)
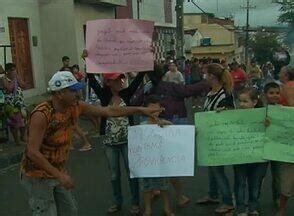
(250, 175)
(150, 186)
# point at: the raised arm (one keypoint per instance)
(93, 83)
(136, 83)
(184, 91)
(117, 111)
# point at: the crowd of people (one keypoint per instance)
(160, 95)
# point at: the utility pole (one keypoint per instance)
(180, 28)
(248, 7)
(138, 9)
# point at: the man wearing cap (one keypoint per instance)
(115, 131)
(49, 136)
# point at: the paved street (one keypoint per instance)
(93, 191)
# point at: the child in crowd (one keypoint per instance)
(151, 186)
(250, 175)
(75, 69)
(173, 75)
(272, 97)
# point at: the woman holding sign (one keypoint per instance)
(220, 97)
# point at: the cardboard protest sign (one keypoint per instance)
(159, 152)
(119, 45)
(230, 137)
(279, 145)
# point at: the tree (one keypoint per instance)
(263, 46)
(287, 16)
(287, 9)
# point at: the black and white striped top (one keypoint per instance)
(219, 99)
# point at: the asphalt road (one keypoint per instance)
(93, 191)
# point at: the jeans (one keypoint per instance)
(250, 175)
(113, 157)
(213, 189)
(275, 180)
(48, 198)
(218, 178)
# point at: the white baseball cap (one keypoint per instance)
(64, 79)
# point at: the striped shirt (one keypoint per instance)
(218, 99)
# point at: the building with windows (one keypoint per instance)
(162, 13)
(214, 37)
(35, 34)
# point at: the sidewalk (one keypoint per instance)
(9, 152)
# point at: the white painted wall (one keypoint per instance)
(24, 9)
(153, 10)
(58, 33)
(83, 13)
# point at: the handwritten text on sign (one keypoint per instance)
(119, 45)
(157, 152)
(280, 134)
(230, 137)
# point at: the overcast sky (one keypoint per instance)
(265, 14)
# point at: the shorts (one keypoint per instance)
(149, 184)
(47, 197)
(286, 176)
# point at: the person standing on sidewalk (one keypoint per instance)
(50, 127)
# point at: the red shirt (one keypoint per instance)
(239, 77)
(79, 76)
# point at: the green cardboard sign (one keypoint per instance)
(230, 137)
(279, 145)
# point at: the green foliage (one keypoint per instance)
(264, 45)
(287, 9)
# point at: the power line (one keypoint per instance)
(247, 7)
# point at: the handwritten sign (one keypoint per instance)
(160, 152)
(230, 137)
(280, 134)
(119, 45)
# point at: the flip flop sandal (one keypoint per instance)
(168, 214)
(207, 200)
(88, 148)
(135, 210)
(113, 209)
(223, 209)
(184, 204)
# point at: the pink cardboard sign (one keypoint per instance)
(119, 45)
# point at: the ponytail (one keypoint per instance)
(227, 80)
(222, 74)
